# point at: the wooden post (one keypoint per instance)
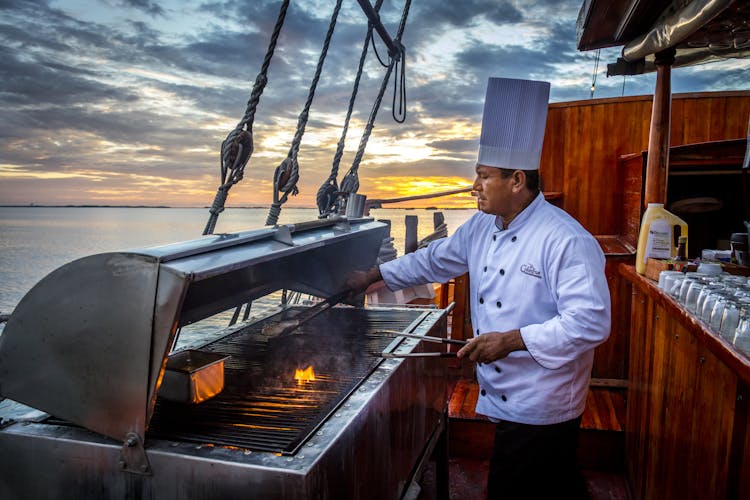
(657, 164)
(437, 219)
(411, 221)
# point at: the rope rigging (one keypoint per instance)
(238, 146)
(326, 197)
(350, 182)
(287, 173)
(398, 81)
(594, 73)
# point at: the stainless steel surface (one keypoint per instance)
(366, 449)
(674, 28)
(79, 343)
(699, 30)
(89, 345)
(426, 338)
(107, 321)
(395, 355)
(281, 387)
(193, 376)
(355, 205)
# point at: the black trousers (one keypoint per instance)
(535, 462)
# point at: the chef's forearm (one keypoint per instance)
(373, 275)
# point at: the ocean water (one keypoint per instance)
(34, 241)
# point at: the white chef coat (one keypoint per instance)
(544, 275)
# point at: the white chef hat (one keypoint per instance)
(515, 115)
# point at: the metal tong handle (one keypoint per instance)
(392, 355)
(424, 337)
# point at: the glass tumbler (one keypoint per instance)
(674, 284)
(730, 318)
(691, 297)
(666, 279)
(684, 288)
(742, 336)
(714, 320)
(704, 294)
(708, 303)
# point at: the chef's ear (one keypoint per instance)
(519, 180)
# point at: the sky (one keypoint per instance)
(127, 102)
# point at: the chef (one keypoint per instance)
(539, 300)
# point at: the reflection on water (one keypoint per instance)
(34, 241)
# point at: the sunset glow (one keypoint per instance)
(127, 103)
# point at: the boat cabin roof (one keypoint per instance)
(698, 30)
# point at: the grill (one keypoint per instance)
(87, 348)
(263, 407)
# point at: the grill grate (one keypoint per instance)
(262, 406)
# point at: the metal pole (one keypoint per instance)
(374, 18)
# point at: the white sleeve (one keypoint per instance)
(442, 260)
(579, 284)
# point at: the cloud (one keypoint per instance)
(149, 7)
(103, 100)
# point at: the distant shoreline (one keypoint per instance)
(206, 208)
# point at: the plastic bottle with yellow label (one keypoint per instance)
(656, 238)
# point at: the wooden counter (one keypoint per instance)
(687, 425)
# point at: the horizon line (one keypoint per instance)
(86, 205)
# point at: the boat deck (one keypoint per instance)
(601, 447)
(468, 481)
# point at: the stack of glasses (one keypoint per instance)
(721, 301)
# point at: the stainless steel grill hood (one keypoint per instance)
(89, 343)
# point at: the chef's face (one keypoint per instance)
(493, 188)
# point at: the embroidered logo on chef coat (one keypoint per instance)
(531, 270)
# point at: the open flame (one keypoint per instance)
(303, 376)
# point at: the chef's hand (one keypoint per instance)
(492, 346)
(359, 281)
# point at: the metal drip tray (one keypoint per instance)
(279, 389)
(193, 376)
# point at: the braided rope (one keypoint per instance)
(327, 193)
(288, 170)
(350, 183)
(399, 88)
(237, 148)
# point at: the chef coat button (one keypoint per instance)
(497, 369)
(477, 331)
(485, 269)
(481, 300)
(503, 398)
(514, 238)
(499, 304)
(494, 237)
(484, 393)
(502, 272)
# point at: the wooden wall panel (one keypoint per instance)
(631, 185)
(739, 486)
(585, 138)
(611, 357)
(636, 418)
